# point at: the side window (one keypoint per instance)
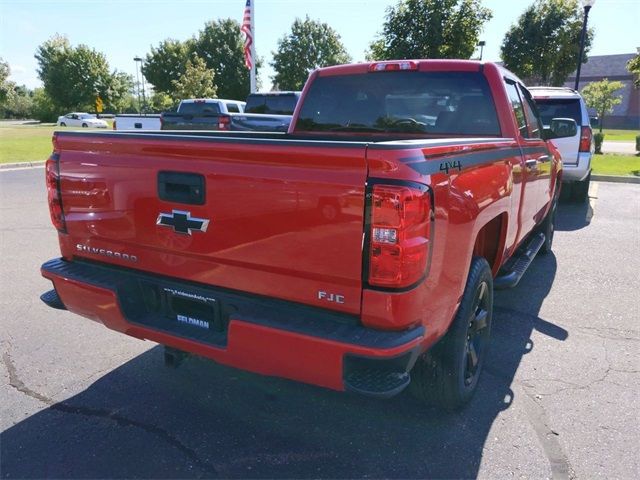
(531, 113)
(232, 108)
(516, 103)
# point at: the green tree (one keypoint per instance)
(43, 107)
(633, 66)
(167, 62)
(601, 96)
(161, 102)
(197, 81)
(18, 103)
(310, 45)
(221, 46)
(543, 46)
(430, 29)
(5, 85)
(73, 77)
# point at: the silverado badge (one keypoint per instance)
(182, 222)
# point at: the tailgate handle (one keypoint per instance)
(180, 187)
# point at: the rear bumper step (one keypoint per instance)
(52, 300)
(379, 378)
(262, 335)
(514, 270)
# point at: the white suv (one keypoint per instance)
(576, 151)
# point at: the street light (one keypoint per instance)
(587, 4)
(481, 44)
(144, 100)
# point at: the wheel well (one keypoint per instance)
(490, 242)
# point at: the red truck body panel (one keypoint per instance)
(288, 220)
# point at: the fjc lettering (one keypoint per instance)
(330, 297)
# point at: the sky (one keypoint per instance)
(123, 29)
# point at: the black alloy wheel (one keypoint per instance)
(477, 335)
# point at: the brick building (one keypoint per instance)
(613, 67)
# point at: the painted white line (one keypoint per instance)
(20, 168)
(593, 197)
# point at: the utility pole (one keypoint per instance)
(587, 4)
(137, 82)
(144, 98)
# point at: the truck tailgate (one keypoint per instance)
(284, 218)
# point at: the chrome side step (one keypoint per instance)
(512, 272)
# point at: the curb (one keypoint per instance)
(615, 178)
(38, 163)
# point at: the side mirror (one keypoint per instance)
(594, 121)
(561, 128)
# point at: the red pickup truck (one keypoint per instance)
(358, 251)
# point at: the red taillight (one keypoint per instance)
(54, 195)
(399, 236)
(224, 123)
(393, 66)
(585, 139)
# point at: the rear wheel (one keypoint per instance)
(580, 190)
(447, 375)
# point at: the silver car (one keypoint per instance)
(576, 151)
(81, 119)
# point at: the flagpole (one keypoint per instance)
(253, 48)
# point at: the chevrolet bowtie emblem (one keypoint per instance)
(182, 222)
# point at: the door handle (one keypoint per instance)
(181, 187)
(532, 163)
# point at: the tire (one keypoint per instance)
(580, 190)
(62, 124)
(84, 125)
(447, 375)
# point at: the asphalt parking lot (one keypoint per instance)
(560, 396)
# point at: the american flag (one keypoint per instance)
(248, 35)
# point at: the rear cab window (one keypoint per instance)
(198, 108)
(439, 103)
(550, 108)
(271, 104)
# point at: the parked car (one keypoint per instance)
(127, 121)
(576, 151)
(358, 251)
(79, 119)
(217, 115)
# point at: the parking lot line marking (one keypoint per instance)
(593, 197)
(20, 168)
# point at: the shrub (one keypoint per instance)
(598, 138)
